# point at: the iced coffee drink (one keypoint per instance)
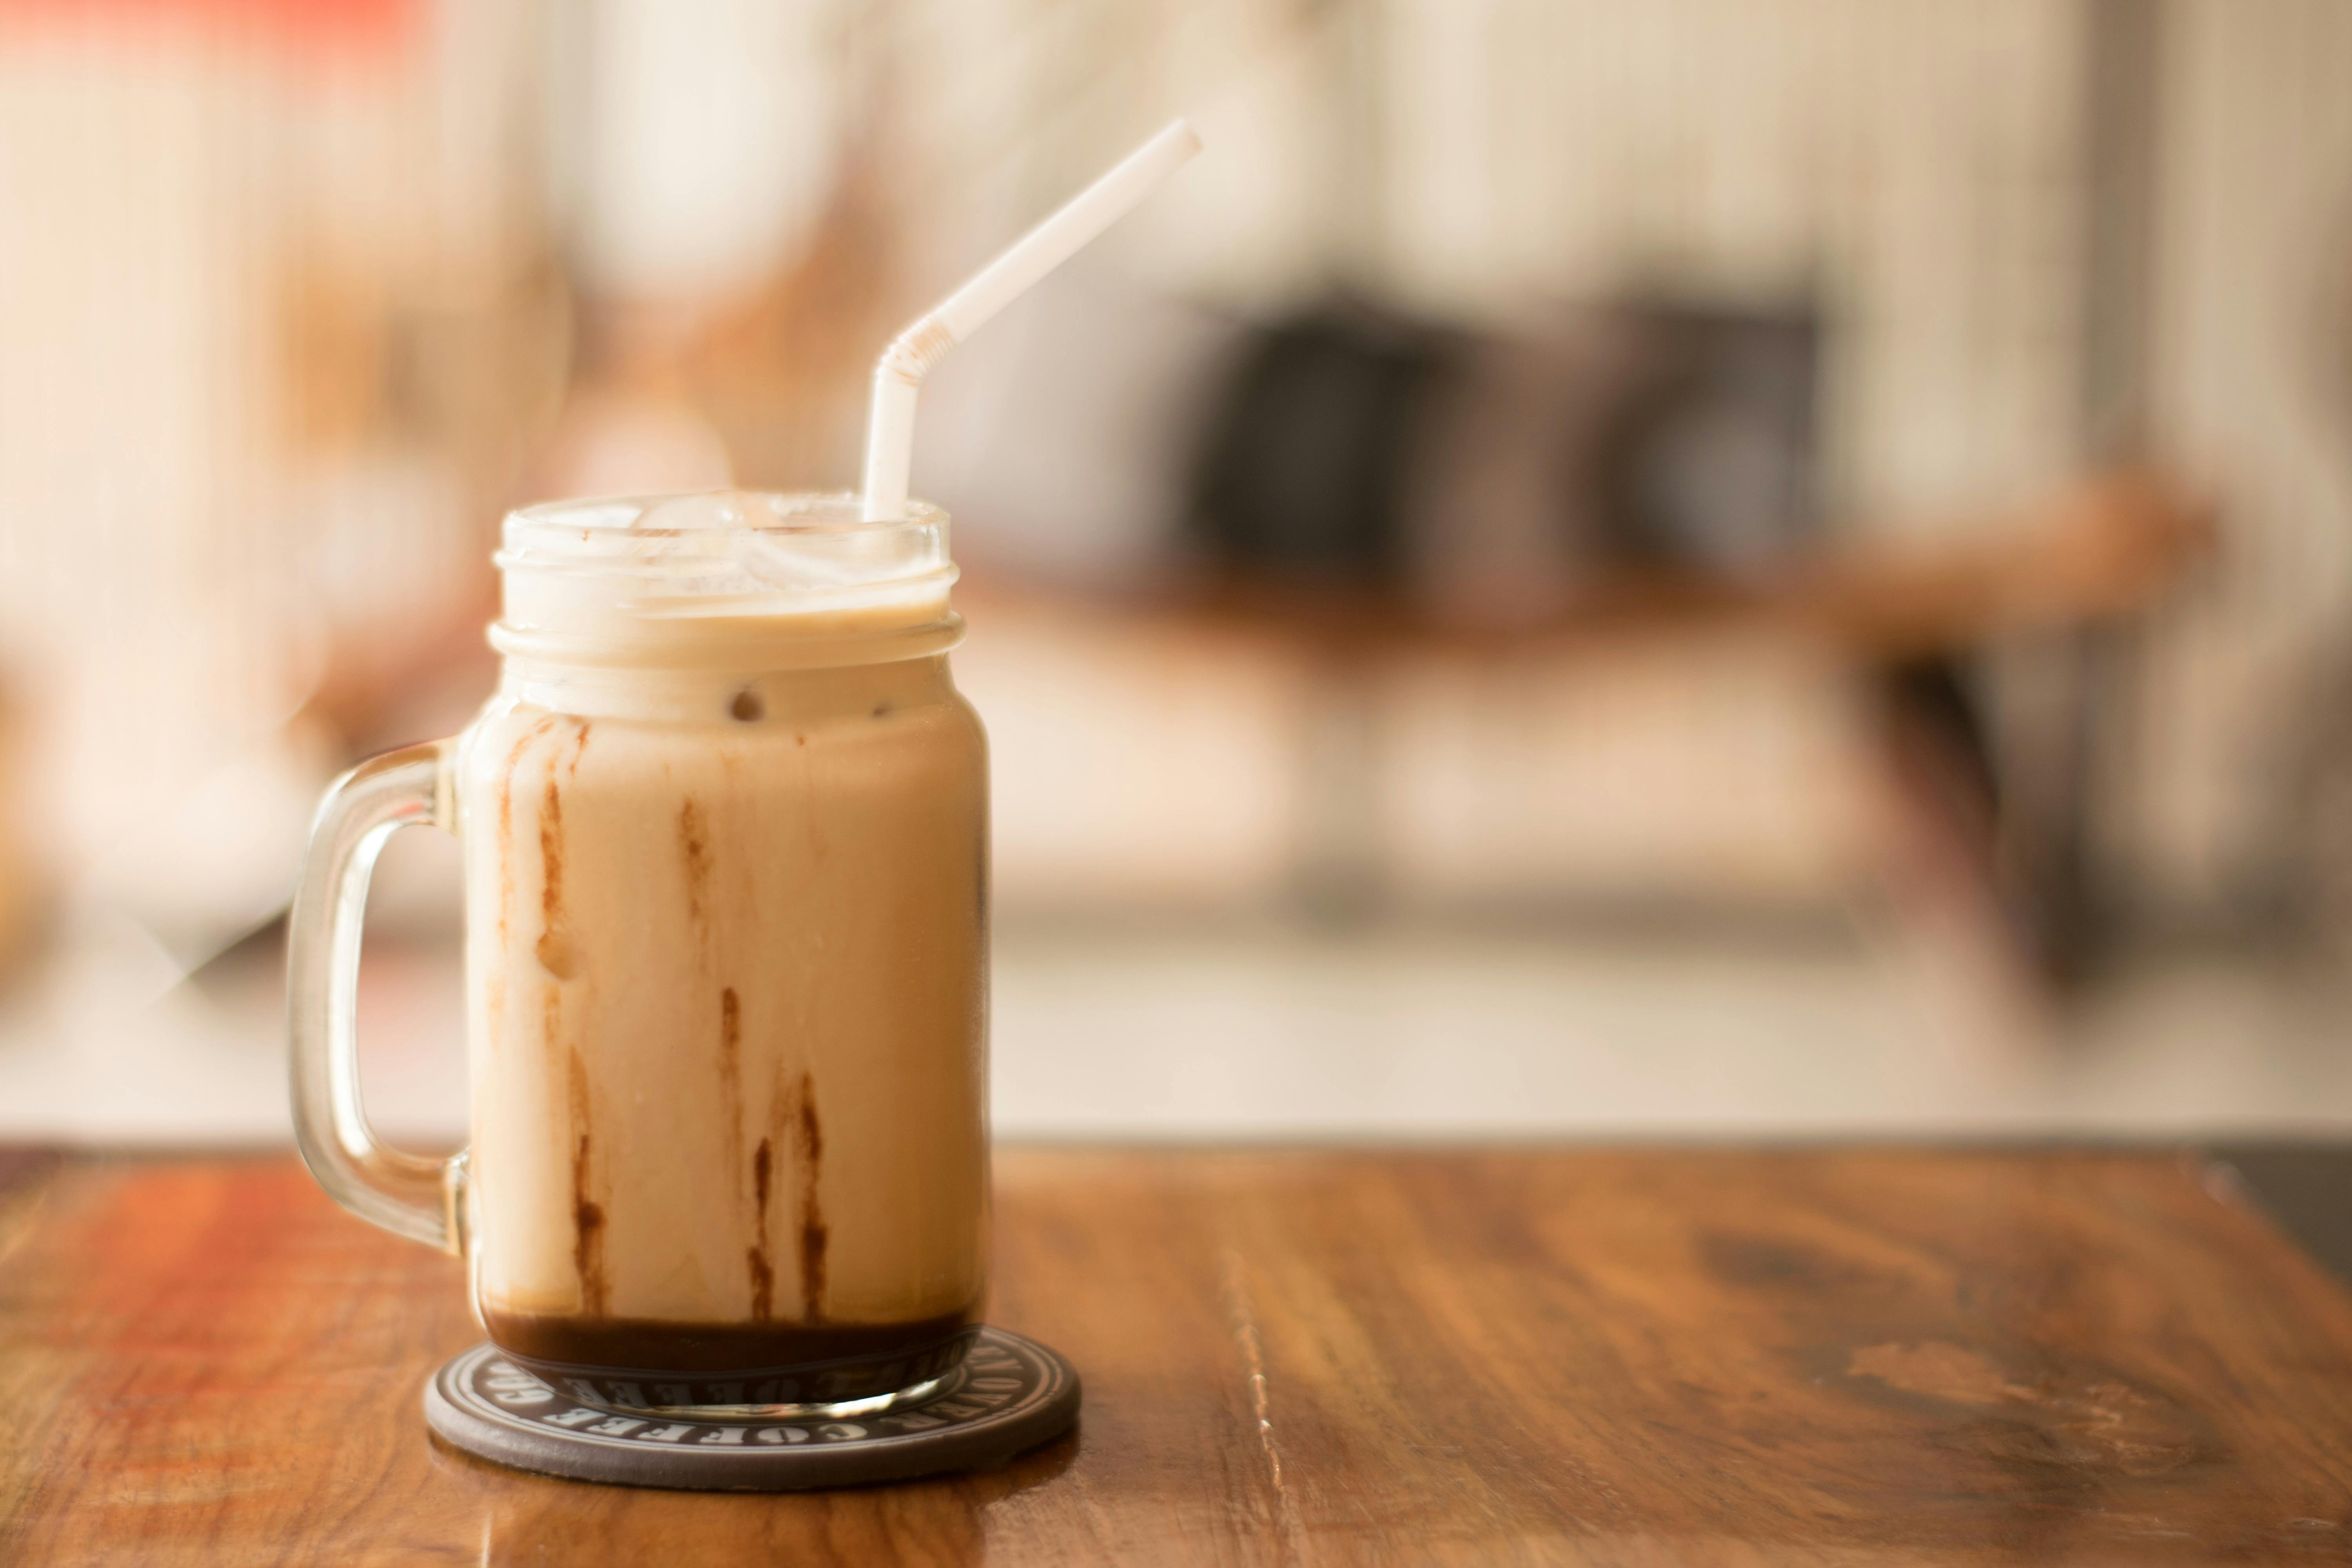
(726, 874)
(726, 842)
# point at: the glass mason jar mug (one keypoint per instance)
(725, 880)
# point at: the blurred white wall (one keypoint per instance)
(2252, 391)
(693, 146)
(202, 226)
(1913, 164)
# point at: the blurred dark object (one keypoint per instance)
(1995, 780)
(1303, 470)
(1509, 518)
(1941, 756)
(1709, 463)
(1495, 476)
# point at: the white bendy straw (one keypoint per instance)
(899, 373)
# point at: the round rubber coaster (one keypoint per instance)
(1011, 1393)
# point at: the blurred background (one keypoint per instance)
(1716, 567)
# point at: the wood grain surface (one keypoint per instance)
(1617, 1357)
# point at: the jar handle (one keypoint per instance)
(409, 1194)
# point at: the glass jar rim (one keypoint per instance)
(625, 533)
(679, 576)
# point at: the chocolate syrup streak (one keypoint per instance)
(763, 1272)
(555, 956)
(813, 1234)
(551, 854)
(731, 1068)
(587, 1216)
(505, 822)
(694, 848)
(552, 956)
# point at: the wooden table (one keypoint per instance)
(1611, 1357)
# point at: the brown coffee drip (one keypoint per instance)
(763, 1272)
(551, 887)
(694, 848)
(587, 1215)
(506, 820)
(730, 1069)
(813, 1232)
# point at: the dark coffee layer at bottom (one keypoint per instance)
(641, 1363)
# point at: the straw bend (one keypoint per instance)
(913, 352)
(899, 373)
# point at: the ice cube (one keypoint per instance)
(713, 508)
(796, 560)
